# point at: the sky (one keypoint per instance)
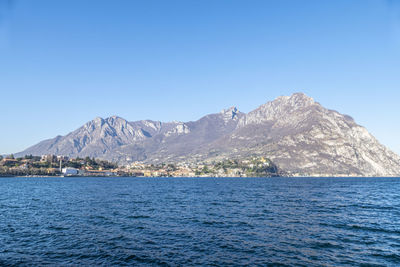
(65, 62)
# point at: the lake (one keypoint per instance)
(200, 221)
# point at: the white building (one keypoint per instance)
(70, 171)
(62, 158)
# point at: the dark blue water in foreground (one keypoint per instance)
(200, 221)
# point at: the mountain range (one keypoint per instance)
(298, 134)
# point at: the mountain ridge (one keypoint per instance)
(296, 132)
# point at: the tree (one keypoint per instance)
(205, 170)
(171, 167)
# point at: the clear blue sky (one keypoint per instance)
(63, 63)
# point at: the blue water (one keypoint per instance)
(200, 221)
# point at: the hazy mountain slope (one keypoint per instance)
(298, 134)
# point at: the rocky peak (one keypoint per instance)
(294, 102)
(115, 120)
(230, 113)
(154, 125)
(298, 98)
(180, 128)
(98, 120)
(94, 124)
(279, 109)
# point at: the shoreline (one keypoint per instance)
(54, 176)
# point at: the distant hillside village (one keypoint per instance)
(52, 165)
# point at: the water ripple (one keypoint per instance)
(200, 221)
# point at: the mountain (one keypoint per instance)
(304, 138)
(295, 132)
(116, 139)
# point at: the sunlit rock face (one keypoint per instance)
(304, 138)
(297, 133)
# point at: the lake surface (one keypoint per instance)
(200, 221)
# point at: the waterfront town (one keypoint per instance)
(52, 165)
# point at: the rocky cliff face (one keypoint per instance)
(297, 133)
(304, 138)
